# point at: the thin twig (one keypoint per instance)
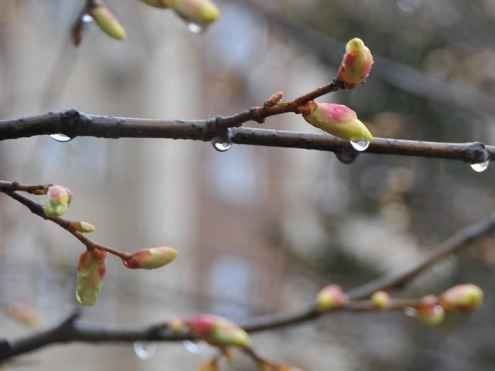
(35, 208)
(77, 332)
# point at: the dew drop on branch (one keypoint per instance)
(144, 350)
(360, 145)
(480, 166)
(86, 18)
(62, 138)
(221, 144)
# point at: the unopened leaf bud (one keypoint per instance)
(200, 12)
(58, 201)
(356, 63)
(430, 312)
(106, 20)
(380, 299)
(151, 258)
(336, 119)
(218, 331)
(90, 273)
(330, 297)
(83, 227)
(465, 297)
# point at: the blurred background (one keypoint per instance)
(258, 230)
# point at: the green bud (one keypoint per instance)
(466, 297)
(218, 331)
(330, 297)
(83, 227)
(90, 273)
(107, 22)
(200, 12)
(336, 119)
(152, 258)
(380, 299)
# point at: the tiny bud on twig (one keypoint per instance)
(330, 297)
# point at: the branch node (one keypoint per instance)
(477, 153)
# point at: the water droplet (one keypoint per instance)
(191, 346)
(481, 166)
(221, 144)
(195, 347)
(60, 138)
(86, 18)
(360, 145)
(410, 312)
(194, 28)
(144, 350)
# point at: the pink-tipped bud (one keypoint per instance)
(430, 312)
(336, 119)
(58, 201)
(380, 299)
(83, 227)
(466, 297)
(152, 258)
(356, 64)
(330, 297)
(218, 331)
(24, 314)
(90, 274)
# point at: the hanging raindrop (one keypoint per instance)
(144, 350)
(221, 144)
(62, 138)
(410, 312)
(86, 18)
(194, 28)
(360, 145)
(480, 166)
(191, 346)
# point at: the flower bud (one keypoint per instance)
(218, 331)
(429, 311)
(466, 297)
(431, 315)
(58, 201)
(336, 119)
(24, 313)
(330, 297)
(90, 274)
(159, 3)
(152, 258)
(105, 19)
(200, 12)
(83, 227)
(356, 63)
(380, 299)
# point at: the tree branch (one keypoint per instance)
(73, 124)
(73, 331)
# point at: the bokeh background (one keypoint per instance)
(259, 230)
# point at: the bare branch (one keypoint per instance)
(73, 331)
(73, 124)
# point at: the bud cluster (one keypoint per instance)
(58, 201)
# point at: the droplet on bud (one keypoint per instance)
(195, 28)
(360, 145)
(221, 144)
(481, 166)
(62, 138)
(86, 18)
(192, 347)
(144, 350)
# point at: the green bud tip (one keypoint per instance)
(330, 297)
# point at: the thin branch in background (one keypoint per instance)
(72, 330)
